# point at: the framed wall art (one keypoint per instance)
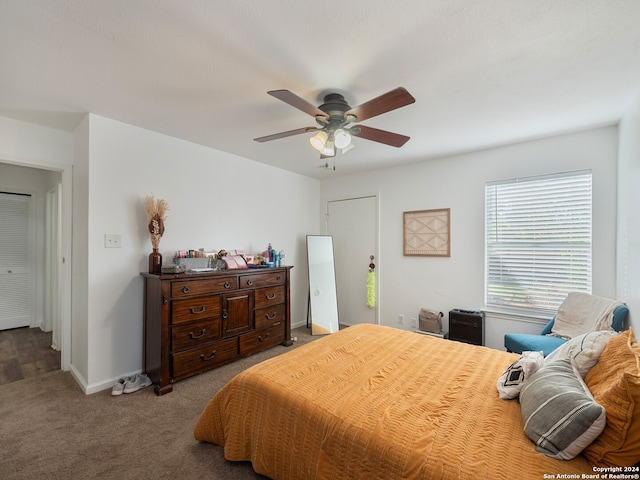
(426, 233)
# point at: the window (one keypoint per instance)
(538, 240)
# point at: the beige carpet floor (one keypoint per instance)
(49, 429)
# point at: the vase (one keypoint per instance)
(155, 262)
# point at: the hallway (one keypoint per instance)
(26, 352)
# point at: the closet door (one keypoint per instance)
(15, 284)
(353, 224)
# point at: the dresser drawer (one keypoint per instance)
(205, 286)
(265, 317)
(262, 279)
(269, 296)
(190, 335)
(196, 308)
(198, 360)
(261, 339)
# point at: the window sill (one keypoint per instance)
(518, 315)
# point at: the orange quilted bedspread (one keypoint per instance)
(373, 402)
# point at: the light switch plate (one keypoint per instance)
(112, 240)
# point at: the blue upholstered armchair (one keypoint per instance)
(520, 342)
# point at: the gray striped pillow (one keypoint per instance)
(559, 413)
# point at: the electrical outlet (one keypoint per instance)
(112, 240)
(414, 322)
(401, 319)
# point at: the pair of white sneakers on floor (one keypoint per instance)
(130, 384)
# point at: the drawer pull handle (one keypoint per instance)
(249, 282)
(224, 314)
(193, 337)
(279, 277)
(185, 289)
(270, 296)
(272, 316)
(227, 284)
(266, 337)
(202, 309)
(210, 357)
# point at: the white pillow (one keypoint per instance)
(584, 350)
(511, 381)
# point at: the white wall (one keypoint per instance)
(628, 232)
(26, 143)
(216, 201)
(79, 269)
(457, 182)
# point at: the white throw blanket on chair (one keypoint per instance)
(583, 313)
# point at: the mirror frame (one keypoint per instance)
(323, 298)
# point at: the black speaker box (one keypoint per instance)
(466, 326)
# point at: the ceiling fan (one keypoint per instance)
(336, 120)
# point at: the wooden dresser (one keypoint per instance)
(194, 322)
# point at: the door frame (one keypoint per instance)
(52, 267)
(65, 252)
(377, 260)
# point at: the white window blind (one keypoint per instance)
(538, 240)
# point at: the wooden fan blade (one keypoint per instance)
(381, 136)
(384, 103)
(295, 101)
(289, 133)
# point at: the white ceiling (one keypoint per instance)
(483, 72)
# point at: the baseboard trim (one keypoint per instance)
(90, 389)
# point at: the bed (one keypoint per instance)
(374, 402)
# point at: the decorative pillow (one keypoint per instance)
(584, 350)
(559, 413)
(511, 381)
(615, 383)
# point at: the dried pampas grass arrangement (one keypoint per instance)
(156, 215)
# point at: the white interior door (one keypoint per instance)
(15, 278)
(353, 225)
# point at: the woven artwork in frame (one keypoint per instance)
(427, 233)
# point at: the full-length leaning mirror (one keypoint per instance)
(323, 299)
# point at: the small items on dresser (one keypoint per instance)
(203, 261)
(156, 216)
(173, 268)
(270, 258)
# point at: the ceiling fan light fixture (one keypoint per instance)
(342, 138)
(319, 140)
(329, 149)
(335, 119)
(347, 148)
